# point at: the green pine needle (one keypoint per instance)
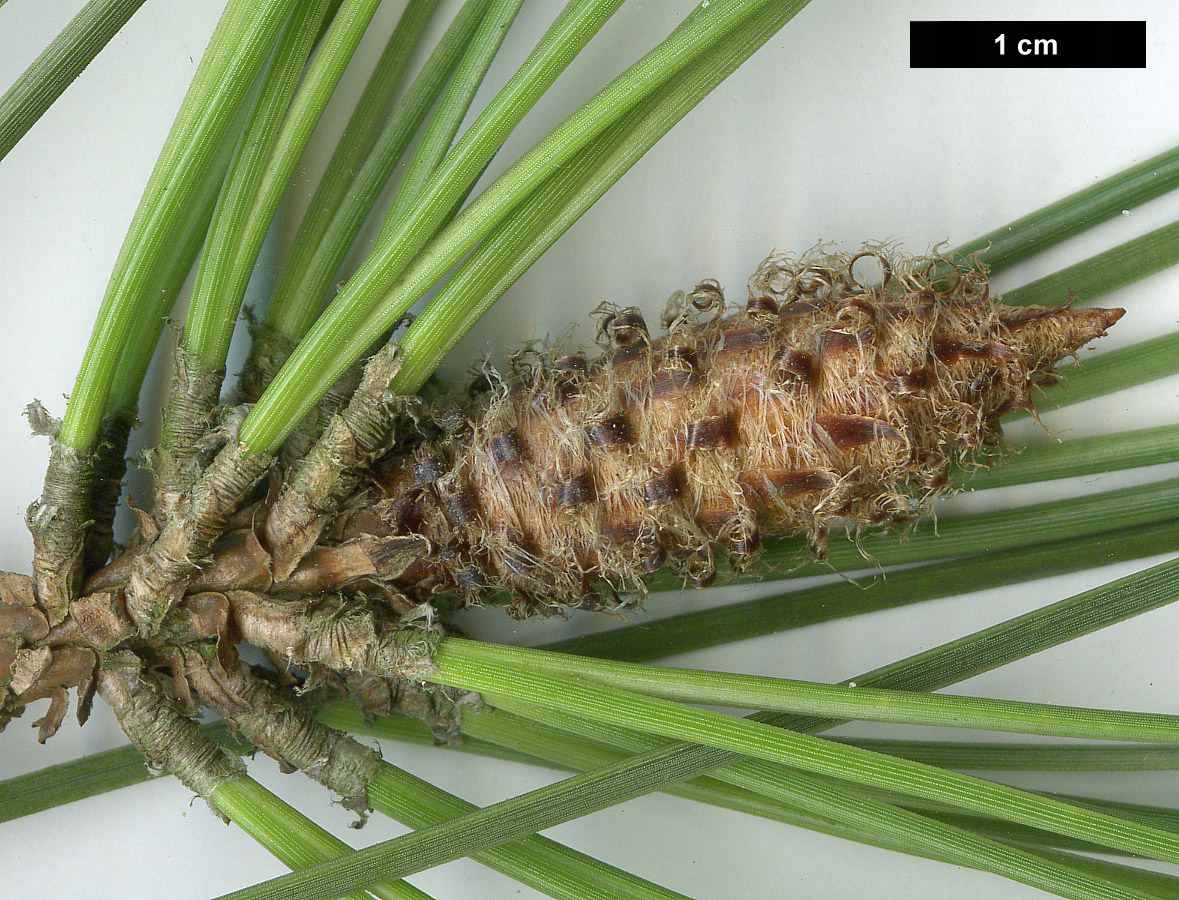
(58, 65)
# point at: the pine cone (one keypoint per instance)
(825, 402)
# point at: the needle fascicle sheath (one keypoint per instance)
(198, 360)
(166, 738)
(160, 572)
(326, 475)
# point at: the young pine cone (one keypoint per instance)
(824, 402)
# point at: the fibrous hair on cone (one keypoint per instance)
(825, 401)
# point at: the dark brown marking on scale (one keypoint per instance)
(715, 522)
(700, 571)
(479, 385)
(950, 350)
(569, 376)
(792, 368)
(567, 389)
(875, 512)
(429, 469)
(849, 507)
(386, 518)
(622, 533)
(916, 382)
(816, 543)
(468, 574)
(663, 489)
(470, 579)
(649, 553)
(857, 309)
(626, 355)
(836, 341)
(577, 490)
(738, 340)
(627, 328)
(710, 433)
(786, 484)
(508, 452)
(847, 432)
(574, 363)
(935, 480)
(921, 307)
(610, 432)
(707, 296)
(382, 553)
(744, 540)
(681, 356)
(761, 305)
(460, 506)
(588, 600)
(518, 558)
(669, 383)
(405, 515)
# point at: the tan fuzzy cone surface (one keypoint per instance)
(825, 402)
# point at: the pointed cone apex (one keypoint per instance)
(1043, 336)
(1077, 327)
(1092, 323)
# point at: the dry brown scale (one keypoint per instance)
(825, 402)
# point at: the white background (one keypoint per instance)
(826, 135)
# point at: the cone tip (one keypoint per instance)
(1093, 323)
